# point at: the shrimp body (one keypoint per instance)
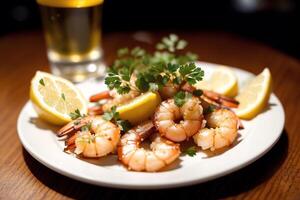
(119, 99)
(179, 123)
(162, 151)
(222, 131)
(169, 90)
(99, 140)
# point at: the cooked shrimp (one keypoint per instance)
(213, 98)
(222, 131)
(169, 90)
(113, 98)
(98, 139)
(119, 99)
(179, 123)
(219, 99)
(162, 151)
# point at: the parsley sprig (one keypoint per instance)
(76, 114)
(209, 109)
(158, 76)
(119, 79)
(181, 97)
(191, 151)
(114, 116)
(153, 71)
(191, 73)
(86, 127)
(171, 43)
(41, 81)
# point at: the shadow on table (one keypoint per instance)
(230, 185)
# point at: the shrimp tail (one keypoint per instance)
(70, 148)
(213, 97)
(145, 129)
(99, 96)
(96, 110)
(72, 126)
(221, 99)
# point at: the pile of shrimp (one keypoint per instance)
(165, 131)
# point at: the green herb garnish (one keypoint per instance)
(171, 43)
(191, 73)
(197, 93)
(113, 115)
(63, 96)
(86, 127)
(191, 151)
(124, 125)
(181, 97)
(122, 52)
(42, 82)
(153, 71)
(209, 109)
(76, 114)
(119, 79)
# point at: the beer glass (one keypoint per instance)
(72, 31)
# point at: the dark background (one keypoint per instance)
(273, 22)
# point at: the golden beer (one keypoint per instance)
(73, 36)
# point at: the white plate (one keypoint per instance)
(259, 135)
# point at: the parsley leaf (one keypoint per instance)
(209, 109)
(42, 82)
(119, 80)
(138, 52)
(181, 97)
(141, 83)
(191, 151)
(86, 127)
(76, 114)
(122, 52)
(191, 73)
(171, 43)
(113, 115)
(124, 125)
(63, 96)
(197, 93)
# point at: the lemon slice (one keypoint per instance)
(255, 96)
(54, 98)
(139, 109)
(222, 80)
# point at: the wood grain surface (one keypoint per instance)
(274, 176)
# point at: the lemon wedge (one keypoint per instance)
(140, 108)
(222, 81)
(255, 95)
(54, 98)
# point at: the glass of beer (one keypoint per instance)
(72, 30)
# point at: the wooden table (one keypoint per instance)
(275, 176)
